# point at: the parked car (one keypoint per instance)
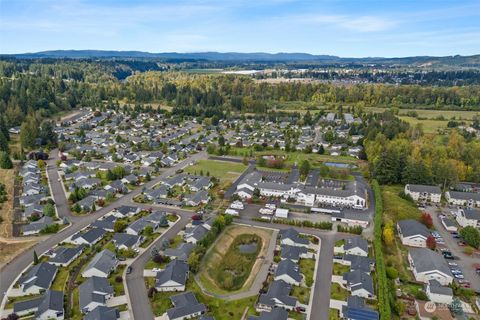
(453, 264)
(129, 269)
(120, 258)
(461, 243)
(459, 276)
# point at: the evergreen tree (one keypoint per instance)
(4, 143)
(35, 257)
(4, 129)
(5, 161)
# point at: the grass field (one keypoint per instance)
(339, 269)
(117, 286)
(60, 279)
(432, 114)
(221, 249)
(338, 293)
(301, 293)
(429, 126)
(225, 171)
(395, 209)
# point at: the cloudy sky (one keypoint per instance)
(354, 28)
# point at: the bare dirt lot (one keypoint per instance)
(6, 212)
(222, 245)
(9, 248)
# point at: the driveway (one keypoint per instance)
(466, 262)
(10, 271)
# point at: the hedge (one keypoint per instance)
(383, 298)
(324, 225)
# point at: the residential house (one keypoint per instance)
(438, 293)
(468, 217)
(288, 271)
(173, 277)
(466, 199)
(428, 265)
(278, 295)
(293, 253)
(90, 237)
(413, 233)
(291, 237)
(38, 278)
(126, 211)
(356, 309)
(198, 198)
(359, 284)
(94, 292)
(275, 314)
(125, 241)
(196, 234)
(37, 226)
(51, 306)
(102, 264)
(424, 193)
(356, 246)
(63, 256)
(185, 306)
(182, 252)
(103, 313)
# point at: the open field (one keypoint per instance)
(9, 248)
(395, 209)
(429, 126)
(432, 114)
(222, 248)
(7, 177)
(225, 171)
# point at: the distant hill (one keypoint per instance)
(473, 61)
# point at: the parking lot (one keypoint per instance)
(461, 265)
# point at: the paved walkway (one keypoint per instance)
(116, 301)
(257, 284)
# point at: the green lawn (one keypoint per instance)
(333, 314)
(60, 279)
(339, 269)
(338, 293)
(301, 293)
(428, 125)
(432, 114)
(117, 286)
(76, 314)
(149, 239)
(307, 268)
(225, 171)
(397, 208)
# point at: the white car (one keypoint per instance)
(453, 264)
(156, 269)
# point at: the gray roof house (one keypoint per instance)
(288, 271)
(278, 295)
(293, 253)
(63, 256)
(292, 237)
(101, 265)
(158, 193)
(126, 211)
(438, 293)
(103, 313)
(107, 223)
(185, 306)
(173, 277)
(198, 198)
(182, 252)
(25, 307)
(87, 203)
(89, 237)
(361, 263)
(38, 278)
(359, 283)
(139, 225)
(126, 241)
(356, 246)
(356, 309)
(36, 226)
(413, 233)
(51, 306)
(274, 314)
(196, 234)
(428, 265)
(95, 291)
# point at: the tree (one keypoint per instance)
(221, 141)
(49, 210)
(35, 257)
(321, 150)
(4, 143)
(151, 292)
(456, 307)
(148, 231)
(120, 225)
(256, 193)
(388, 235)
(431, 242)
(5, 161)
(426, 219)
(471, 236)
(47, 135)
(304, 168)
(245, 161)
(28, 133)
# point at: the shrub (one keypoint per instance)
(426, 219)
(471, 236)
(347, 229)
(151, 292)
(158, 259)
(392, 273)
(118, 279)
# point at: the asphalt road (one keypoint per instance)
(12, 269)
(137, 291)
(323, 278)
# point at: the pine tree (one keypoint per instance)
(35, 257)
(5, 161)
(3, 142)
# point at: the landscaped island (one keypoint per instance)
(234, 261)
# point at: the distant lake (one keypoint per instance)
(248, 248)
(340, 165)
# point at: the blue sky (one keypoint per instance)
(355, 28)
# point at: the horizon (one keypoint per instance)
(338, 28)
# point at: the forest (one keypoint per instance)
(32, 90)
